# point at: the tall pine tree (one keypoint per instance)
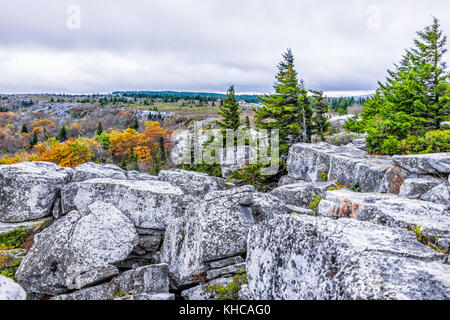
(230, 112)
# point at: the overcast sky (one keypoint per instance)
(203, 45)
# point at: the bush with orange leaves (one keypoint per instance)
(71, 153)
(143, 144)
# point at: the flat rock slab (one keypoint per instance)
(298, 257)
(389, 210)
(28, 190)
(212, 229)
(437, 163)
(148, 204)
(28, 225)
(76, 244)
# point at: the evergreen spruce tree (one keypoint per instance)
(62, 135)
(230, 112)
(99, 129)
(288, 109)
(320, 117)
(24, 128)
(135, 124)
(413, 100)
(34, 139)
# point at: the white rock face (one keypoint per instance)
(389, 210)
(301, 194)
(28, 190)
(425, 163)
(346, 165)
(300, 257)
(91, 170)
(9, 290)
(212, 229)
(148, 204)
(79, 242)
(193, 183)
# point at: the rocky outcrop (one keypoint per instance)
(29, 190)
(434, 163)
(345, 165)
(194, 183)
(213, 229)
(439, 194)
(148, 204)
(10, 290)
(304, 257)
(389, 210)
(76, 244)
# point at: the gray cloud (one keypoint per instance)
(203, 44)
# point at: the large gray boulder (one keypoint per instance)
(212, 229)
(389, 210)
(29, 190)
(10, 290)
(77, 243)
(148, 204)
(432, 163)
(299, 257)
(91, 170)
(193, 183)
(346, 165)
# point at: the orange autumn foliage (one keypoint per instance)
(143, 144)
(71, 153)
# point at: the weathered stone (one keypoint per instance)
(194, 183)
(438, 163)
(285, 180)
(346, 165)
(235, 158)
(439, 194)
(91, 170)
(75, 244)
(214, 228)
(28, 190)
(389, 210)
(9, 290)
(149, 243)
(300, 257)
(148, 204)
(416, 187)
(96, 276)
(301, 194)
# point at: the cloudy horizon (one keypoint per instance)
(199, 45)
